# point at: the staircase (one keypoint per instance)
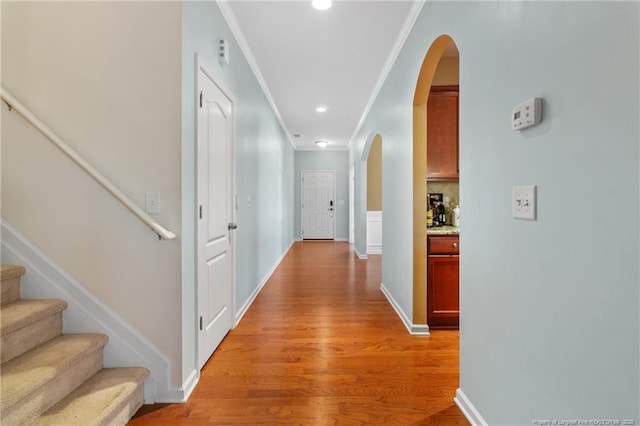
(50, 378)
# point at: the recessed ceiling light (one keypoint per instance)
(322, 144)
(321, 109)
(321, 4)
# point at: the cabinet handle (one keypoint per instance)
(455, 245)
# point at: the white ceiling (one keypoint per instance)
(304, 58)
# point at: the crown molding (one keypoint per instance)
(232, 22)
(395, 51)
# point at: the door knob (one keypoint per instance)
(233, 226)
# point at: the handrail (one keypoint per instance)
(13, 103)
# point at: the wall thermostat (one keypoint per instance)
(527, 114)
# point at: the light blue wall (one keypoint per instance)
(264, 166)
(325, 160)
(549, 309)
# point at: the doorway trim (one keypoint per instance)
(421, 96)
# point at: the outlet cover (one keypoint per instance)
(524, 202)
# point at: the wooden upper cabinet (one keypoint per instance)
(442, 133)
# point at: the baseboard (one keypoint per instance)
(341, 240)
(374, 249)
(360, 255)
(86, 313)
(468, 409)
(414, 329)
(258, 289)
(182, 394)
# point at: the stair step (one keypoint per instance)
(10, 277)
(26, 324)
(37, 380)
(111, 397)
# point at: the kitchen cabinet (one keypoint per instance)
(443, 270)
(442, 133)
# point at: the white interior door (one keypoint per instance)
(214, 216)
(318, 204)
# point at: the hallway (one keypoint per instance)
(321, 345)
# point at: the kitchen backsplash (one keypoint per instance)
(448, 189)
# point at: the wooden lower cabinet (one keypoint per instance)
(443, 270)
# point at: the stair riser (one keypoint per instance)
(10, 291)
(31, 336)
(32, 406)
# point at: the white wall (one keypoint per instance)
(325, 160)
(549, 309)
(264, 164)
(105, 77)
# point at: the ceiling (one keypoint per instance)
(304, 58)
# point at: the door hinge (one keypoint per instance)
(200, 323)
(200, 211)
(200, 99)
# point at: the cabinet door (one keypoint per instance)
(442, 134)
(443, 307)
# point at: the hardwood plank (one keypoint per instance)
(321, 345)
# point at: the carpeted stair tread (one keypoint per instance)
(8, 272)
(111, 397)
(10, 283)
(22, 376)
(25, 312)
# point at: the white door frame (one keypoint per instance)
(201, 66)
(302, 172)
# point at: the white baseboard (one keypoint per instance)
(86, 313)
(342, 240)
(374, 249)
(468, 409)
(182, 394)
(360, 255)
(258, 289)
(414, 329)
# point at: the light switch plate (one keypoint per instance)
(152, 202)
(524, 202)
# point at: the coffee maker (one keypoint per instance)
(436, 206)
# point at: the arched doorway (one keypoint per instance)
(423, 87)
(372, 157)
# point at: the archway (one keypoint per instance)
(372, 163)
(423, 86)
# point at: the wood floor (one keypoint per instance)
(322, 346)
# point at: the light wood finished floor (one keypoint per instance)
(322, 346)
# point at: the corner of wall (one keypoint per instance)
(468, 409)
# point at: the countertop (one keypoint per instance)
(443, 230)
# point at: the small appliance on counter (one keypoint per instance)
(435, 205)
(456, 216)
